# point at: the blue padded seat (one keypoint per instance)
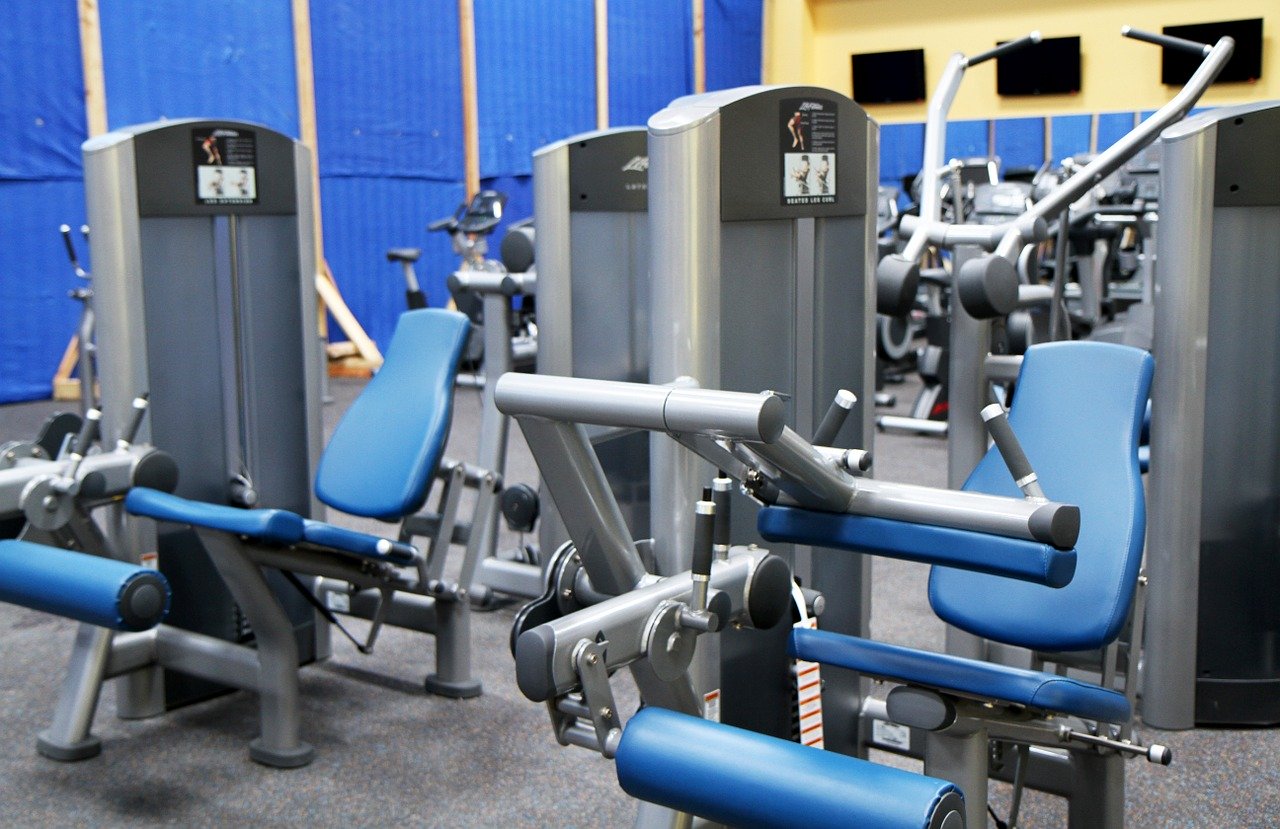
(741, 778)
(357, 543)
(1078, 411)
(1012, 557)
(90, 589)
(273, 525)
(381, 458)
(973, 678)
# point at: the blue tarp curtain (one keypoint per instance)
(388, 114)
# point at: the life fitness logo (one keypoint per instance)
(811, 105)
(639, 164)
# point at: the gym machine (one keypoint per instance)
(763, 198)
(501, 341)
(204, 287)
(590, 199)
(993, 264)
(1212, 647)
(611, 611)
(203, 279)
(951, 330)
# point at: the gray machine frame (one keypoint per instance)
(207, 304)
(727, 242)
(1211, 644)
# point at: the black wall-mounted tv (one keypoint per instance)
(1177, 66)
(1050, 67)
(888, 77)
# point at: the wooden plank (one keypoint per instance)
(305, 81)
(470, 109)
(699, 47)
(346, 320)
(95, 84)
(330, 298)
(95, 117)
(602, 64)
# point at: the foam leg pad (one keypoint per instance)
(99, 591)
(741, 778)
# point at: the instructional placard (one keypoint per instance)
(808, 138)
(226, 166)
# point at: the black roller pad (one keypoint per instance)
(988, 286)
(896, 282)
(769, 596)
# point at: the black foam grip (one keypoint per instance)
(896, 282)
(720, 536)
(1010, 447)
(703, 524)
(988, 286)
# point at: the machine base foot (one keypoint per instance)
(68, 753)
(455, 689)
(281, 759)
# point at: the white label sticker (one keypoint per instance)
(891, 735)
(711, 705)
(338, 602)
(151, 561)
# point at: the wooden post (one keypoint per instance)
(699, 47)
(95, 85)
(602, 64)
(327, 288)
(470, 112)
(66, 387)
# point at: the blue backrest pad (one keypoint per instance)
(1078, 410)
(381, 458)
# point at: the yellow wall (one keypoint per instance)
(1116, 73)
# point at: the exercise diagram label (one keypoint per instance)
(226, 166)
(808, 138)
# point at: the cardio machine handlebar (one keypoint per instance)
(1004, 49)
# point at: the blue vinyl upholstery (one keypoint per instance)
(381, 458)
(357, 543)
(740, 778)
(1015, 558)
(1078, 411)
(78, 586)
(974, 678)
(272, 525)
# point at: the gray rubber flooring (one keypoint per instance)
(388, 754)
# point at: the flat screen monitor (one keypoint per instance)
(888, 77)
(1177, 66)
(1050, 67)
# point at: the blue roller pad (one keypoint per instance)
(357, 543)
(1012, 557)
(273, 525)
(741, 778)
(76, 585)
(382, 457)
(963, 677)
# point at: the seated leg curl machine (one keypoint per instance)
(606, 611)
